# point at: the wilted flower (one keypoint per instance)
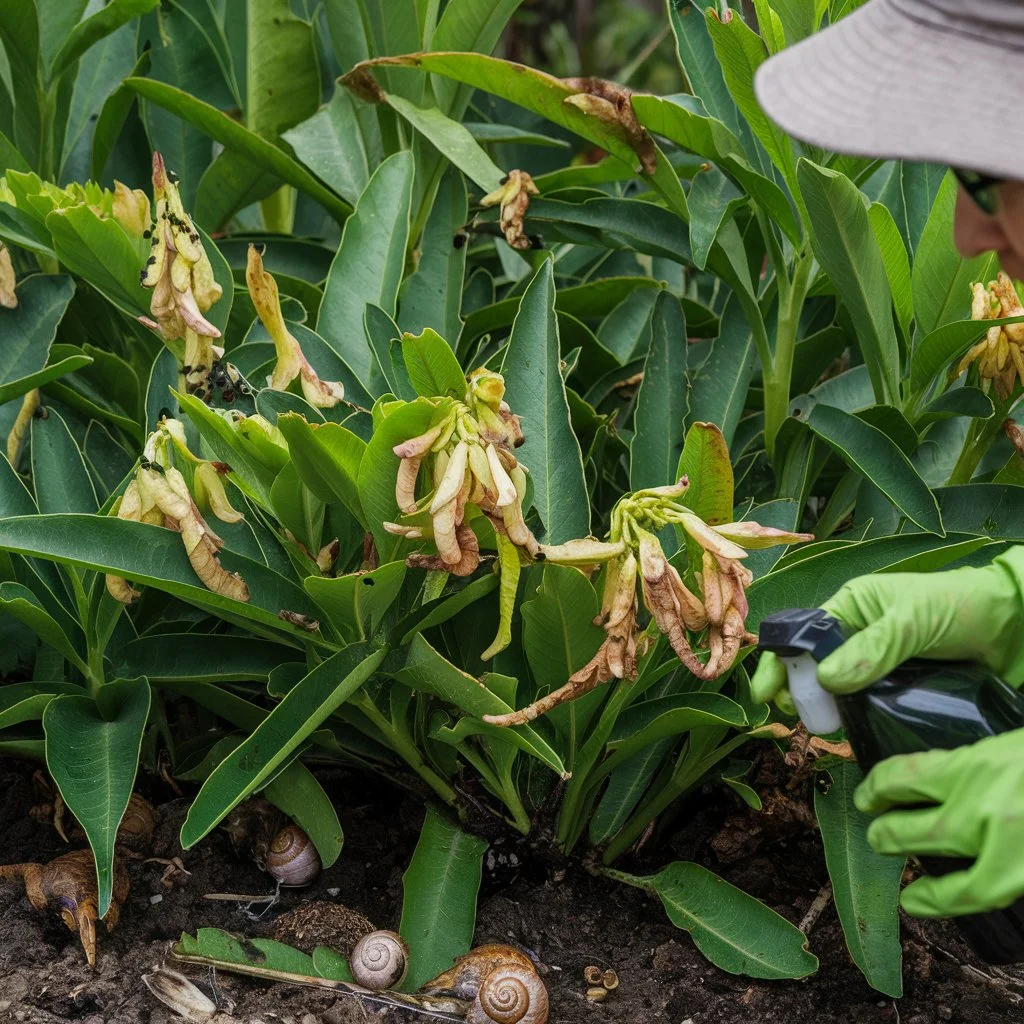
(8, 298)
(160, 495)
(291, 363)
(613, 104)
(19, 429)
(514, 196)
(1000, 356)
(634, 554)
(178, 270)
(130, 208)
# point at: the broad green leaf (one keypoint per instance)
(439, 905)
(431, 295)
(19, 33)
(59, 474)
(368, 265)
(733, 930)
(713, 199)
(849, 253)
(865, 884)
(22, 604)
(154, 556)
(870, 452)
(333, 146)
(110, 120)
(89, 32)
(433, 369)
(537, 91)
(626, 330)
(200, 657)
(234, 136)
(897, 264)
(963, 401)
(297, 792)
(256, 759)
(423, 669)
(296, 507)
(946, 344)
(536, 392)
(662, 401)
(705, 461)
(28, 331)
(356, 603)
(26, 702)
(327, 457)
(265, 958)
(92, 752)
(941, 279)
(741, 53)
(719, 385)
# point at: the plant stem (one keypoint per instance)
(980, 436)
(778, 378)
(278, 210)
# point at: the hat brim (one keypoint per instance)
(881, 84)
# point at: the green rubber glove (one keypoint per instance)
(960, 615)
(978, 813)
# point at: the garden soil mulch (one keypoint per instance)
(565, 916)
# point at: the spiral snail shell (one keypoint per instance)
(502, 984)
(292, 858)
(380, 960)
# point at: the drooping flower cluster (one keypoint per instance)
(513, 197)
(181, 277)
(1000, 356)
(468, 456)
(291, 362)
(160, 495)
(634, 555)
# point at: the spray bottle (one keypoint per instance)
(920, 705)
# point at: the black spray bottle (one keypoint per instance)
(920, 705)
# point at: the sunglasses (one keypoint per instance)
(982, 188)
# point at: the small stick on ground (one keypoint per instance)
(821, 901)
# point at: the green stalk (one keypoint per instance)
(978, 441)
(278, 210)
(778, 380)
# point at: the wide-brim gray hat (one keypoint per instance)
(933, 80)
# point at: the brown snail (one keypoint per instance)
(292, 858)
(68, 884)
(380, 960)
(501, 983)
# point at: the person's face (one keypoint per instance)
(976, 232)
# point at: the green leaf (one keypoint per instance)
(22, 604)
(19, 33)
(865, 884)
(29, 330)
(439, 905)
(941, 279)
(431, 295)
(332, 145)
(733, 930)
(155, 556)
(200, 657)
(963, 401)
(945, 345)
(356, 603)
(433, 369)
(26, 702)
(424, 670)
(897, 264)
(255, 760)
(297, 792)
(849, 253)
(369, 262)
(510, 569)
(705, 461)
(543, 94)
(61, 479)
(89, 32)
(872, 454)
(713, 199)
(661, 404)
(92, 752)
(536, 392)
(626, 330)
(223, 129)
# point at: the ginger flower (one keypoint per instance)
(291, 363)
(160, 495)
(633, 555)
(468, 456)
(513, 195)
(1000, 356)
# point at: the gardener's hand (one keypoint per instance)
(960, 615)
(978, 813)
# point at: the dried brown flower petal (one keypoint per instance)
(513, 195)
(613, 104)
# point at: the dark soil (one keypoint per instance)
(567, 918)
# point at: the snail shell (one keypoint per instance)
(380, 960)
(292, 858)
(502, 983)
